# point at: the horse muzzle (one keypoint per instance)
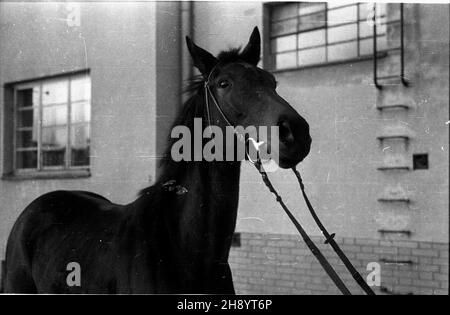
(295, 141)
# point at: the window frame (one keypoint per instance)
(41, 171)
(270, 56)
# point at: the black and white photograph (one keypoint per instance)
(224, 153)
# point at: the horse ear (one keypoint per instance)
(252, 51)
(203, 60)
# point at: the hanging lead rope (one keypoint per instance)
(329, 239)
(314, 249)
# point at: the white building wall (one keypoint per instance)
(117, 42)
(339, 102)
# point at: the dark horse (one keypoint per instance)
(167, 240)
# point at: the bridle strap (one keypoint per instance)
(208, 94)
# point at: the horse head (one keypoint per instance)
(247, 96)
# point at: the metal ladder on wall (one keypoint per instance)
(376, 79)
(400, 48)
(396, 195)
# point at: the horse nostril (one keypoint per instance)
(286, 135)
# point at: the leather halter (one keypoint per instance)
(208, 94)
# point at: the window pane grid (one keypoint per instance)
(24, 128)
(43, 122)
(345, 36)
(24, 108)
(327, 9)
(329, 44)
(313, 13)
(54, 104)
(26, 149)
(379, 23)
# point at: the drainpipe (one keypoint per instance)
(187, 29)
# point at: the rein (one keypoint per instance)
(329, 238)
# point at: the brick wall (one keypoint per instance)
(282, 264)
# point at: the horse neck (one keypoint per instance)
(207, 216)
(202, 220)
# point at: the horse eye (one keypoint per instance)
(224, 84)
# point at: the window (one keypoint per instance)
(52, 124)
(310, 33)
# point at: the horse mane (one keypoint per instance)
(230, 56)
(192, 108)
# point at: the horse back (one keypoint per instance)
(58, 229)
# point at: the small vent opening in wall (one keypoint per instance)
(420, 161)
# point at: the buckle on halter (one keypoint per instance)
(171, 186)
(330, 238)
